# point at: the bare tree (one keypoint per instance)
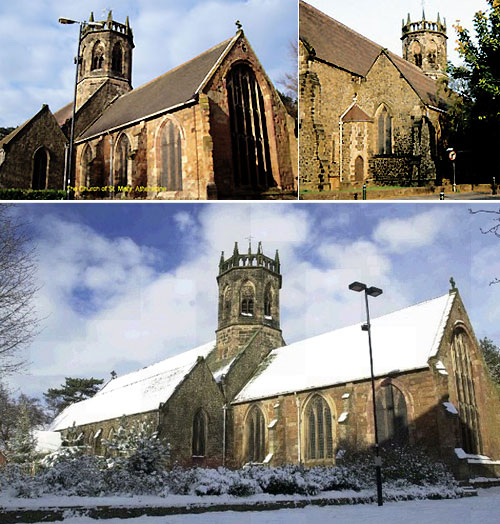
(18, 319)
(493, 230)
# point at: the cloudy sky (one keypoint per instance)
(36, 52)
(126, 285)
(381, 21)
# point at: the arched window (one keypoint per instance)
(392, 419)
(86, 165)
(318, 434)
(247, 299)
(117, 59)
(97, 56)
(256, 435)
(464, 383)
(359, 169)
(200, 425)
(40, 169)
(122, 160)
(226, 303)
(249, 140)
(171, 157)
(384, 132)
(432, 54)
(268, 300)
(416, 52)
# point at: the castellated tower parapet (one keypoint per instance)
(249, 285)
(106, 55)
(424, 44)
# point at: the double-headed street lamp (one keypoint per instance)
(373, 292)
(69, 164)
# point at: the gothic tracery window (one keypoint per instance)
(464, 383)
(384, 132)
(256, 435)
(97, 56)
(392, 418)
(268, 299)
(318, 429)
(200, 425)
(171, 157)
(86, 166)
(122, 160)
(226, 304)
(249, 139)
(247, 299)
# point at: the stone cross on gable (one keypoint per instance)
(453, 284)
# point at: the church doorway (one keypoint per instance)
(40, 169)
(359, 169)
(249, 140)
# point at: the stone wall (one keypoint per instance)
(16, 171)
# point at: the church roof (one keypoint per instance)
(340, 46)
(175, 88)
(136, 392)
(18, 130)
(402, 341)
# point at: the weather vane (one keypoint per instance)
(238, 25)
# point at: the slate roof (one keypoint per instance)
(176, 87)
(404, 340)
(63, 114)
(342, 47)
(136, 392)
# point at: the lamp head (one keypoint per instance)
(357, 286)
(67, 21)
(374, 291)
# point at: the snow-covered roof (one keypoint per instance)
(401, 341)
(135, 392)
(47, 441)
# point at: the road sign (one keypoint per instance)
(452, 155)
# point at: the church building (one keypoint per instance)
(366, 114)
(247, 397)
(214, 127)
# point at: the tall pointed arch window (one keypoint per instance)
(86, 162)
(200, 425)
(464, 383)
(256, 435)
(171, 157)
(268, 300)
(392, 418)
(226, 303)
(249, 139)
(416, 53)
(40, 169)
(318, 434)
(117, 58)
(384, 132)
(122, 160)
(247, 299)
(97, 56)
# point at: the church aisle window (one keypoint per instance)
(319, 435)
(384, 132)
(256, 436)
(122, 161)
(249, 140)
(200, 424)
(171, 157)
(464, 383)
(392, 418)
(86, 166)
(40, 169)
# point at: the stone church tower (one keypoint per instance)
(249, 286)
(106, 54)
(424, 44)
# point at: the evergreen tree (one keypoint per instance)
(73, 390)
(476, 117)
(491, 353)
(22, 446)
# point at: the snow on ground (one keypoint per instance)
(484, 509)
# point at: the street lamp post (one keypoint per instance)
(373, 292)
(69, 163)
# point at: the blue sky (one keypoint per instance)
(381, 21)
(36, 52)
(125, 285)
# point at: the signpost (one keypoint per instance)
(452, 156)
